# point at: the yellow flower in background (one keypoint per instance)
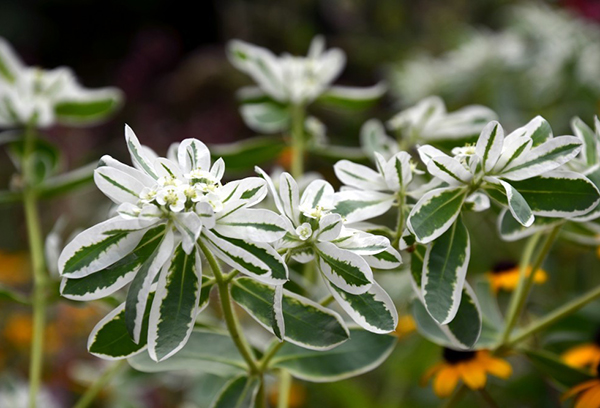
(589, 393)
(406, 325)
(472, 367)
(584, 355)
(14, 268)
(505, 276)
(296, 397)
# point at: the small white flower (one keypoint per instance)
(316, 213)
(214, 201)
(304, 231)
(173, 197)
(148, 195)
(166, 181)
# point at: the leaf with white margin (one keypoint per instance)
(559, 194)
(110, 340)
(444, 271)
(85, 107)
(463, 332)
(427, 152)
(10, 64)
(250, 191)
(168, 169)
(352, 97)
(257, 225)
(115, 276)
(118, 186)
(359, 176)
(357, 205)
(361, 243)
(435, 212)
(189, 224)
(307, 324)
(258, 260)
(449, 170)
(517, 205)
(345, 269)
(514, 147)
(388, 259)
(489, 145)
(266, 117)
(192, 154)
(584, 233)
(512, 230)
(591, 147)
(271, 186)
(100, 246)
(373, 310)
(138, 157)
(330, 227)
(278, 318)
(374, 139)
(240, 392)
(175, 304)
(290, 196)
(543, 158)
(363, 352)
(479, 201)
(139, 175)
(398, 172)
(317, 193)
(218, 169)
(137, 295)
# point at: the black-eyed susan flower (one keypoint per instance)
(588, 393)
(584, 355)
(472, 367)
(505, 276)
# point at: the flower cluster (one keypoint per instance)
(47, 97)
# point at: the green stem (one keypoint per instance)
(456, 397)
(551, 318)
(488, 398)
(40, 280)
(525, 282)
(285, 384)
(261, 398)
(400, 222)
(101, 382)
(233, 325)
(298, 141)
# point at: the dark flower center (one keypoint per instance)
(503, 266)
(455, 356)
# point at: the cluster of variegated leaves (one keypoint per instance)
(169, 207)
(292, 80)
(529, 172)
(48, 97)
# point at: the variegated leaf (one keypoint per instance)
(239, 392)
(489, 145)
(359, 176)
(345, 269)
(252, 224)
(140, 160)
(359, 205)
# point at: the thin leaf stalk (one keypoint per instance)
(92, 392)
(298, 140)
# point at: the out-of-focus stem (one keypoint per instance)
(298, 141)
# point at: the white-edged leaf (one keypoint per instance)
(330, 227)
(120, 187)
(489, 145)
(359, 176)
(240, 392)
(167, 168)
(189, 225)
(358, 205)
(517, 205)
(266, 117)
(449, 170)
(591, 141)
(345, 269)
(258, 225)
(250, 190)
(193, 154)
(397, 171)
(512, 230)
(138, 156)
(290, 196)
(317, 193)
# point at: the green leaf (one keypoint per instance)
(550, 365)
(512, 230)
(364, 352)
(10, 64)
(110, 339)
(90, 107)
(307, 324)
(351, 98)
(205, 351)
(435, 212)
(13, 295)
(115, 276)
(517, 205)
(238, 393)
(591, 148)
(444, 271)
(558, 194)
(343, 268)
(175, 304)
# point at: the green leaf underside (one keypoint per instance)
(86, 109)
(113, 339)
(305, 325)
(277, 268)
(437, 211)
(447, 256)
(363, 352)
(351, 274)
(550, 365)
(177, 307)
(86, 255)
(238, 393)
(555, 194)
(416, 263)
(110, 275)
(466, 325)
(373, 311)
(205, 351)
(510, 227)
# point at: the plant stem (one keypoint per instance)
(525, 282)
(99, 384)
(488, 398)
(40, 280)
(233, 325)
(553, 317)
(456, 397)
(400, 223)
(298, 141)
(285, 384)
